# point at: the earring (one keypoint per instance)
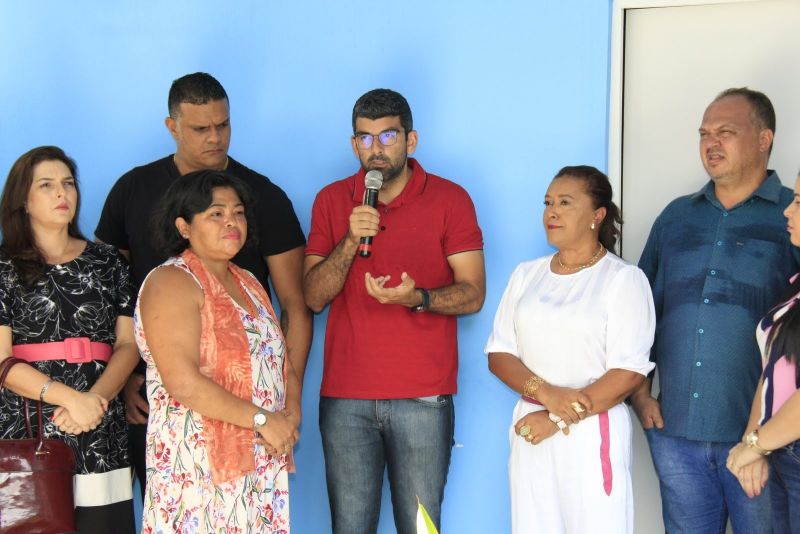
(592, 226)
(184, 236)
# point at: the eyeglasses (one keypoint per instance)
(385, 138)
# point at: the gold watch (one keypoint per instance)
(751, 440)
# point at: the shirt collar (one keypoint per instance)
(414, 187)
(770, 190)
(176, 173)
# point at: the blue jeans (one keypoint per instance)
(784, 487)
(361, 438)
(698, 492)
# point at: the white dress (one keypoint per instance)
(571, 329)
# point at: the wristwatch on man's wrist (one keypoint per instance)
(426, 301)
(751, 440)
(259, 419)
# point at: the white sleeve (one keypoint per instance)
(504, 334)
(631, 322)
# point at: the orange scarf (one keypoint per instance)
(225, 359)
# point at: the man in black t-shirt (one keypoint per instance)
(199, 121)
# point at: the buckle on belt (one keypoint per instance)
(78, 350)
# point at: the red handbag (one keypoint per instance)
(35, 479)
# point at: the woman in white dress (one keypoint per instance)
(572, 335)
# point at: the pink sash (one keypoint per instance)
(605, 446)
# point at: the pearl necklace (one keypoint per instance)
(589, 263)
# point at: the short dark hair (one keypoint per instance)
(18, 240)
(380, 103)
(599, 189)
(763, 114)
(198, 88)
(192, 194)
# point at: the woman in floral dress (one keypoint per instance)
(216, 372)
(65, 308)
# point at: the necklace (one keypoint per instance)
(589, 263)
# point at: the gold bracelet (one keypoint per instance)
(531, 385)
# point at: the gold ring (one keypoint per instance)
(524, 430)
(578, 407)
(529, 438)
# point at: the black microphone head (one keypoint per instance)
(373, 180)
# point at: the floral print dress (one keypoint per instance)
(180, 495)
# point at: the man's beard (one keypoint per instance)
(391, 171)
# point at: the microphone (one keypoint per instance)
(373, 182)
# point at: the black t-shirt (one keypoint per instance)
(125, 221)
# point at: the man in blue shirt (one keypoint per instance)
(717, 260)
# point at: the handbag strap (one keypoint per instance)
(40, 446)
(5, 367)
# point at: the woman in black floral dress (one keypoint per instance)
(66, 308)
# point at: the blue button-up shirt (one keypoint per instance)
(715, 272)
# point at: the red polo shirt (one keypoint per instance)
(384, 351)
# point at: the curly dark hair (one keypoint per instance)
(192, 194)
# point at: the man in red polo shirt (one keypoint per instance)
(391, 354)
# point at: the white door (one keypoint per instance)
(676, 59)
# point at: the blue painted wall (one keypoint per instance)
(503, 95)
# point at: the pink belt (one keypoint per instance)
(605, 445)
(73, 350)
